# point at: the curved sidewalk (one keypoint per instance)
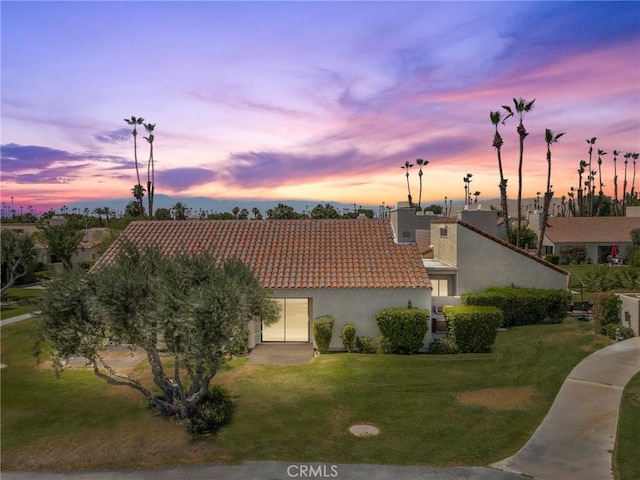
(577, 437)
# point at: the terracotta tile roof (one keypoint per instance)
(591, 229)
(357, 253)
(93, 237)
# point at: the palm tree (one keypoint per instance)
(180, 211)
(581, 168)
(108, 213)
(236, 212)
(407, 166)
(467, 188)
(496, 118)
(420, 163)
(634, 156)
(521, 107)
(601, 153)
(99, 211)
(627, 156)
(138, 192)
(615, 184)
(549, 138)
(149, 127)
(591, 142)
(135, 121)
(476, 194)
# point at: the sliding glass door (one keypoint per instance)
(293, 324)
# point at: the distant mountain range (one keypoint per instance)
(214, 205)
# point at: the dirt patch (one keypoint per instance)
(506, 398)
(155, 442)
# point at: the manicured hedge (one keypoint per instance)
(349, 337)
(605, 310)
(322, 332)
(403, 329)
(523, 306)
(473, 328)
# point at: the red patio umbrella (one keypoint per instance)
(614, 250)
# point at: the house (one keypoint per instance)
(347, 268)
(352, 268)
(600, 235)
(90, 247)
(464, 254)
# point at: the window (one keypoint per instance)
(440, 287)
(443, 232)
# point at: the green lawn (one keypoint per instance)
(431, 410)
(626, 459)
(20, 301)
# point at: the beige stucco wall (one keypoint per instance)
(483, 263)
(630, 311)
(357, 306)
(444, 247)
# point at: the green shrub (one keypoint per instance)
(349, 337)
(215, 410)
(322, 332)
(365, 345)
(382, 346)
(442, 346)
(473, 328)
(403, 328)
(634, 258)
(522, 306)
(617, 332)
(553, 258)
(573, 254)
(605, 310)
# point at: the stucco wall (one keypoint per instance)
(630, 311)
(483, 263)
(355, 306)
(444, 240)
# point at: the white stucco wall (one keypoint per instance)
(357, 306)
(484, 263)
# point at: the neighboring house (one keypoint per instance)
(90, 247)
(347, 268)
(600, 235)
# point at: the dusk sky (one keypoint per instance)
(310, 100)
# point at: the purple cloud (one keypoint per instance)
(114, 136)
(17, 159)
(178, 179)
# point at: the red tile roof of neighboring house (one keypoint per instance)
(591, 229)
(93, 237)
(356, 253)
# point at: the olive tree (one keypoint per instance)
(17, 251)
(188, 312)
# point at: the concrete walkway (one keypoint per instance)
(577, 437)
(18, 318)
(281, 354)
(574, 441)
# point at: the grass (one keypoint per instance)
(626, 460)
(431, 410)
(20, 301)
